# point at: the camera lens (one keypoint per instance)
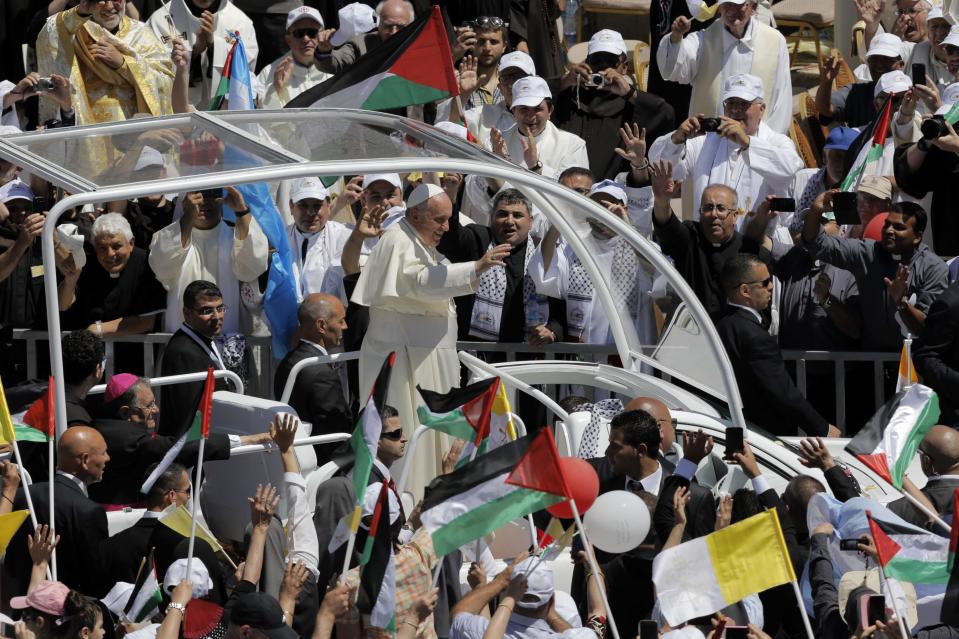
(933, 128)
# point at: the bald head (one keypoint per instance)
(322, 319)
(82, 452)
(660, 412)
(941, 448)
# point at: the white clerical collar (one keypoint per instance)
(759, 317)
(76, 480)
(315, 345)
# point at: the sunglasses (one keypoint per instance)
(309, 32)
(764, 283)
(393, 435)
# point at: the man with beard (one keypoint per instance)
(596, 114)
(116, 293)
(202, 25)
(743, 152)
(854, 104)
(478, 77)
(290, 75)
(505, 302)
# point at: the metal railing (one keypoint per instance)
(261, 376)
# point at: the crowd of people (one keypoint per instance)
(849, 256)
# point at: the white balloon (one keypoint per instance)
(617, 522)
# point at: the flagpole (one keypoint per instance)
(437, 571)
(908, 344)
(52, 476)
(196, 506)
(925, 509)
(350, 543)
(892, 596)
(26, 494)
(594, 567)
(802, 610)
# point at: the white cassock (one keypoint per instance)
(321, 271)
(214, 255)
(409, 288)
(767, 167)
(302, 78)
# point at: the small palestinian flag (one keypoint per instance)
(199, 429)
(507, 483)
(889, 440)
(908, 555)
(41, 416)
(223, 88)
(377, 568)
(414, 66)
(463, 413)
(868, 148)
(146, 596)
(950, 603)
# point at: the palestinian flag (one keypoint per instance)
(199, 429)
(146, 596)
(40, 418)
(463, 413)
(223, 88)
(507, 483)
(868, 148)
(377, 569)
(950, 603)
(889, 440)
(904, 554)
(366, 437)
(12, 430)
(414, 66)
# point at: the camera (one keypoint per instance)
(44, 85)
(596, 80)
(709, 125)
(469, 25)
(933, 128)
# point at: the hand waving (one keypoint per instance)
(634, 143)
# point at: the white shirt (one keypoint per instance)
(759, 318)
(302, 541)
(680, 63)
(650, 482)
(321, 271)
(76, 480)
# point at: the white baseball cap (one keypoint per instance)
(950, 95)
(606, 41)
(530, 91)
(892, 83)
(422, 193)
(610, 187)
(199, 577)
(301, 13)
(15, 190)
(392, 178)
(936, 14)
(731, 2)
(519, 60)
(355, 19)
(149, 157)
(539, 582)
(952, 38)
(743, 86)
(887, 45)
(309, 187)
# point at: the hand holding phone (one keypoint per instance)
(649, 629)
(734, 441)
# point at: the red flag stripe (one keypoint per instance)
(882, 126)
(539, 467)
(206, 404)
(886, 548)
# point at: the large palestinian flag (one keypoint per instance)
(950, 602)
(414, 66)
(377, 568)
(889, 440)
(463, 413)
(505, 484)
(867, 149)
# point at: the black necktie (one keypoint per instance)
(303, 248)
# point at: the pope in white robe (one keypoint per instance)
(201, 246)
(409, 288)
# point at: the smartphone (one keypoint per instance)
(844, 206)
(719, 629)
(872, 608)
(849, 544)
(782, 204)
(734, 441)
(648, 629)
(737, 632)
(919, 74)
(39, 204)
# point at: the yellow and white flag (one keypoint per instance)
(907, 370)
(703, 575)
(700, 11)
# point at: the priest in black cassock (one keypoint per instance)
(191, 349)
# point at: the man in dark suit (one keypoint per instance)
(770, 398)
(321, 394)
(123, 552)
(192, 349)
(937, 353)
(134, 445)
(939, 456)
(80, 522)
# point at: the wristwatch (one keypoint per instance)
(176, 605)
(827, 302)
(536, 168)
(242, 213)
